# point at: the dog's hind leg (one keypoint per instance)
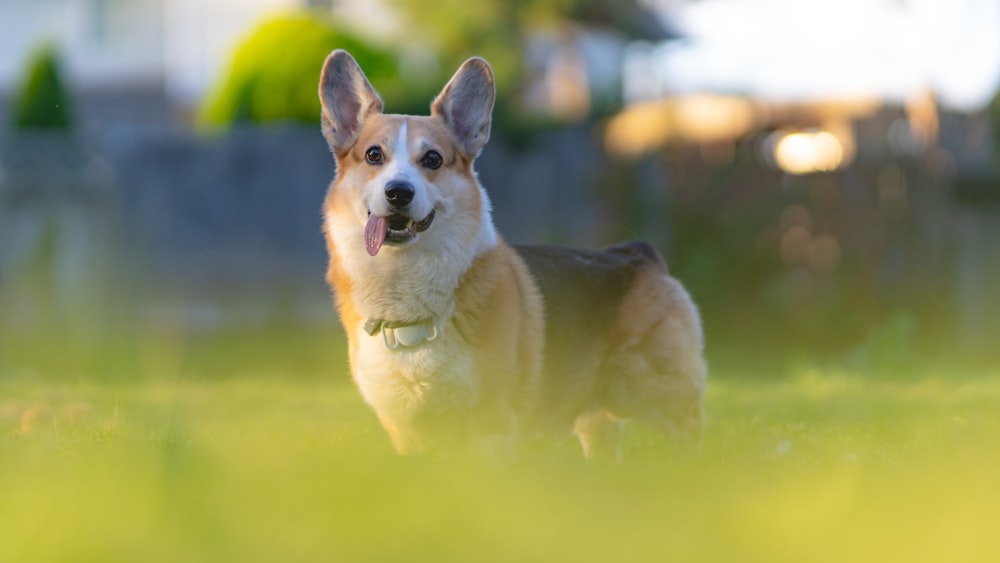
(657, 375)
(683, 421)
(600, 434)
(662, 396)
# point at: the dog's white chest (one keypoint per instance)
(432, 377)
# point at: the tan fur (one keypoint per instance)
(656, 371)
(485, 375)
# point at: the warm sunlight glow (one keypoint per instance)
(806, 152)
(645, 126)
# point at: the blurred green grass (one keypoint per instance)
(819, 466)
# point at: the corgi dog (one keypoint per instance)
(454, 334)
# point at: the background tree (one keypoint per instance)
(500, 30)
(42, 101)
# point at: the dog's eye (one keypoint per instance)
(432, 160)
(374, 155)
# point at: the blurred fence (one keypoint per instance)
(195, 231)
(205, 228)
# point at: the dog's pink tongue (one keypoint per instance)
(375, 231)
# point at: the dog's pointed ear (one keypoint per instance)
(347, 99)
(466, 105)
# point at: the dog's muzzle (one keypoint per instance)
(402, 228)
(396, 229)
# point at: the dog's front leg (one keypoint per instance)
(405, 440)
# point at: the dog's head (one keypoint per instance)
(399, 177)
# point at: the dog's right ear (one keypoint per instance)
(466, 105)
(347, 99)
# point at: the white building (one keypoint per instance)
(171, 48)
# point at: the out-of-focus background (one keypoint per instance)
(822, 175)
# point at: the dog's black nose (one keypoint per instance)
(399, 193)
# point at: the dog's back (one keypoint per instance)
(622, 340)
(583, 291)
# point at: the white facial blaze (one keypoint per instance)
(399, 168)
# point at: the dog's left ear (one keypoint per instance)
(466, 105)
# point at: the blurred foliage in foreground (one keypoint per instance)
(42, 101)
(822, 467)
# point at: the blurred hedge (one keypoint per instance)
(274, 74)
(41, 101)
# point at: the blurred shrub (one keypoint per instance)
(274, 74)
(41, 101)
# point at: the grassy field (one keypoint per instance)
(812, 467)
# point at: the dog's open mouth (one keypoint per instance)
(394, 229)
